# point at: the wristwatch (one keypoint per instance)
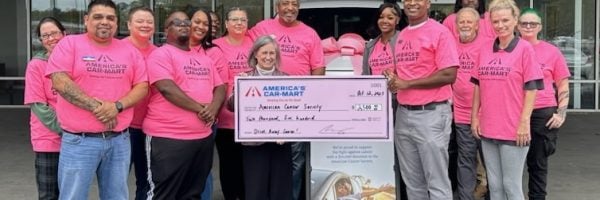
(119, 106)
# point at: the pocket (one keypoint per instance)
(68, 138)
(550, 146)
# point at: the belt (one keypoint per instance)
(429, 106)
(103, 134)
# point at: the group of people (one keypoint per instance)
(100, 104)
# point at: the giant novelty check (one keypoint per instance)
(309, 108)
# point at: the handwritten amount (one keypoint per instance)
(284, 118)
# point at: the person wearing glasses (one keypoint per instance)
(235, 45)
(548, 113)
(44, 127)
(184, 85)
(506, 80)
(141, 29)
(99, 79)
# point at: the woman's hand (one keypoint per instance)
(556, 121)
(523, 133)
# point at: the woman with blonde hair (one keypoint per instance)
(506, 81)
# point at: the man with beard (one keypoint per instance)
(301, 54)
(185, 85)
(98, 78)
(426, 66)
(469, 44)
(485, 24)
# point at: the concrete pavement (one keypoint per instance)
(574, 169)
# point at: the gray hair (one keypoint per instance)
(260, 42)
(470, 10)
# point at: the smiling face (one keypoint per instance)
(216, 24)
(237, 22)
(200, 25)
(50, 34)
(288, 11)
(416, 10)
(467, 25)
(141, 25)
(266, 56)
(529, 25)
(388, 19)
(504, 22)
(101, 23)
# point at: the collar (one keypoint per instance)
(511, 46)
(417, 25)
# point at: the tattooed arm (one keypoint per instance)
(560, 116)
(64, 85)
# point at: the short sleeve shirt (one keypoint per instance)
(300, 46)
(196, 76)
(554, 67)
(468, 55)
(236, 58)
(38, 89)
(502, 75)
(104, 72)
(420, 52)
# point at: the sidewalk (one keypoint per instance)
(574, 169)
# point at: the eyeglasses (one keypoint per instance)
(529, 24)
(53, 34)
(237, 20)
(180, 23)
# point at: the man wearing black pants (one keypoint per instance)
(187, 94)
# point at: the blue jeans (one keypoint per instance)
(82, 158)
(208, 188)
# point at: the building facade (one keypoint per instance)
(572, 25)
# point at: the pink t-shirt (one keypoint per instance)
(468, 55)
(381, 58)
(196, 76)
(554, 68)
(301, 50)
(236, 57)
(141, 108)
(502, 76)
(104, 72)
(216, 55)
(420, 52)
(485, 26)
(38, 89)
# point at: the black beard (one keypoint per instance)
(182, 39)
